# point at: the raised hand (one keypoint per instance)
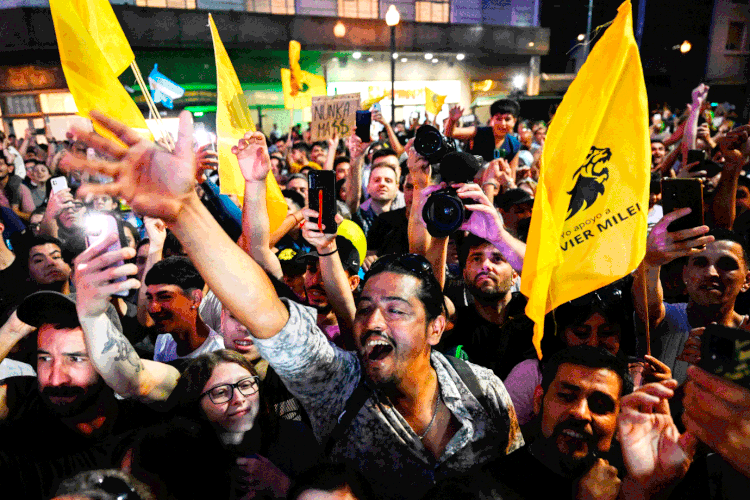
(699, 94)
(356, 147)
(663, 247)
(59, 201)
(419, 168)
(484, 221)
(688, 173)
(691, 352)
(205, 159)
(95, 272)
(153, 181)
(377, 116)
(732, 146)
(156, 231)
(311, 233)
(654, 452)
(455, 113)
(252, 154)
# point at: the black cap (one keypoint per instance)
(292, 262)
(347, 253)
(48, 307)
(513, 197)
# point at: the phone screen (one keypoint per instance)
(98, 227)
(683, 193)
(322, 198)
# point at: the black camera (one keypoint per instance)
(444, 211)
(431, 144)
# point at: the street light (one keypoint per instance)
(392, 18)
(685, 47)
(339, 30)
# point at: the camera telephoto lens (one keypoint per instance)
(429, 143)
(443, 213)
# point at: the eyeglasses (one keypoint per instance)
(604, 297)
(225, 392)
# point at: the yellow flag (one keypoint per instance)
(370, 102)
(311, 86)
(100, 21)
(232, 121)
(90, 77)
(296, 71)
(588, 226)
(432, 101)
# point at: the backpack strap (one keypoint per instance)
(469, 379)
(355, 403)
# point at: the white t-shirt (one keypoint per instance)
(166, 347)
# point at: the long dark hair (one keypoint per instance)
(192, 381)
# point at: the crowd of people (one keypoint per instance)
(197, 352)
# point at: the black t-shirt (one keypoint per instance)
(13, 288)
(499, 348)
(39, 450)
(483, 145)
(389, 233)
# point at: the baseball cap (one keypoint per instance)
(54, 308)
(347, 253)
(512, 197)
(292, 262)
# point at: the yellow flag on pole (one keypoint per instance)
(232, 121)
(588, 226)
(371, 101)
(88, 72)
(433, 102)
(295, 50)
(310, 86)
(100, 21)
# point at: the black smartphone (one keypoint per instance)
(711, 168)
(682, 193)
(725, 352)
(363, 121)
(321, 196)
(696, 155)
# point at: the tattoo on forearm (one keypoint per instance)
(124, 350)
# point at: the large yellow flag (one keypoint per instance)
(588, 226)
(310, 86)
(90, 77)
(100, 21)
(296, 71)
(432, 101)
(232, 121)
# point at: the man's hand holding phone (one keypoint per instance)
(96, 273)
(663, 246)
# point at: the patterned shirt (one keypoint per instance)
(379, 442)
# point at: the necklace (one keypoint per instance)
(434, 415)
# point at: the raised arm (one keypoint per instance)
(156, 232)
(160, 184)
(700, 93)
(255, 164)
(109, 350)
(723, 208)
(357, 150)
(460, 133)
(392, 139)
(663, 247)
(333, 143)
(56, 204)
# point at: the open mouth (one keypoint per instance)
(243, 345)
(377, 349)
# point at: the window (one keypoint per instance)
(432, 11)
(58, 102)
(363, 9)
(736, 36)
(271, 6)
(167, 4)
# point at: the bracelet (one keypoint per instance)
(327, 254)
(491, 183)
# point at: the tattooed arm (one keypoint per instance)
(109, 350)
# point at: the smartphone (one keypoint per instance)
(363, 121)
(725, 352)
(682, 193)
(322, 198)
(98, 227)
(376, 107)
(696, 155)
(711, 168)
(58, 184)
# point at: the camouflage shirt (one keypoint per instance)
(379, 442)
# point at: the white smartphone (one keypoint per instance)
(98, 227)
(58, 184)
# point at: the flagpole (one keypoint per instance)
(642, 271)
(152, 106)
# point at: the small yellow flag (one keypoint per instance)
(432, 101)
(232, 121)
(311, 86)
(88, 72)
(588, 226)
(296, 71)
(370, 102)
(100, 21)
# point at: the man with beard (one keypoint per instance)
(425, 417)
(493, 331)
(65, 419)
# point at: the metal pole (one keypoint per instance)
(588, 32)
(640, 21)
(393, 75)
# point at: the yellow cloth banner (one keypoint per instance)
(295, 50)
(88, 72)
(588, 226)
(311, 86)
(232, 121)
(370, 102)
(100, 21)
(433, 102)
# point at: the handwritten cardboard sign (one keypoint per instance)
(334, 114)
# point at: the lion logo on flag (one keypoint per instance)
(589, 183)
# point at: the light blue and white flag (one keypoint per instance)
(163, 89)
